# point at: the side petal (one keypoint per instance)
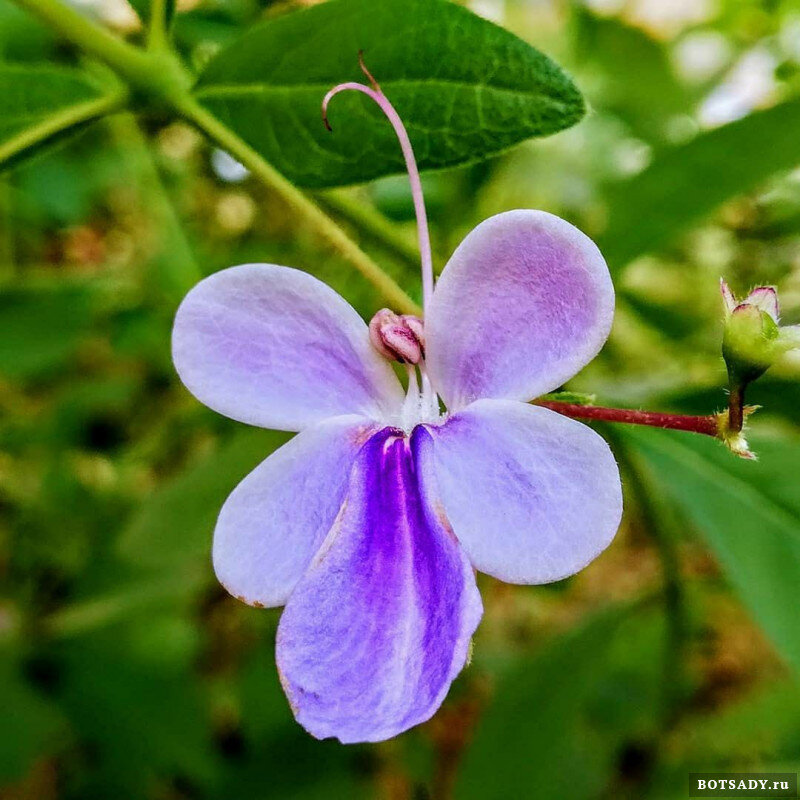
(380, 625)
(523, 304)
(275, 347)
(532, 495)
(275, 520)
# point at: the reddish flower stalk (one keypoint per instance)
(707, 424)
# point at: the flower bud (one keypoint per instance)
(397, 337)
(753, 340)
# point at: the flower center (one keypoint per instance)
(402, 338)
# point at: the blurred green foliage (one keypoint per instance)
(125, 671)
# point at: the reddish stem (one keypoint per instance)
(707, 424)
(736, 408)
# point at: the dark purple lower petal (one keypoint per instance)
(380, 625)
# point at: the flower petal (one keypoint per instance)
(524, 303)
(380, 625)
(275, 520)
(275, 347)
(532, 495)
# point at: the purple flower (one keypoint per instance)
(368, 524)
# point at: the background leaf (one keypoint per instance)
(600, 683)
(684, 184)
(465, 89)
(748, 512)
(42, 326)
(31, 96)
(33, 725)
(176, 524)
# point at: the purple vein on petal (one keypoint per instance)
(375, 632)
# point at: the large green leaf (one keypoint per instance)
(748, 512)
(39, 104)
(684, 184)
(465, 88)
(556, 720)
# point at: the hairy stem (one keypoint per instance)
(60, 122)
(736, 408)
(707, 424)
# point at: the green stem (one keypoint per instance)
(60, 122)
(178, 268)
(158, 28)
(371, 224)
(305, 208)
(8, 267)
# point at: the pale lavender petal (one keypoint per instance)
(764, 298)
(524, 303)
(275, 520)
(380, 625)
(532, 495)
(275, 347)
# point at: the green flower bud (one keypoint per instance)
(753, 339)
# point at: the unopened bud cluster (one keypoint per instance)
(398, 337)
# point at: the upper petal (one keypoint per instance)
(380, 625)
(275, 520)
(524, 303)
(275, 347)
(532, 495)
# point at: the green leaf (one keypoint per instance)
(300, 767)
(41, 326)
(465, 89)
(635, 69)
(175, 525)
(33, 725)
(684, 184)
(555, 722)
(41, 104)
(748, 512)
(143, 721)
